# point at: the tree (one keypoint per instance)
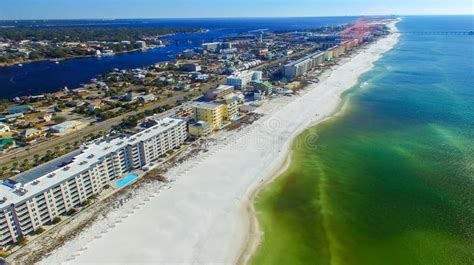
(40, 230)
(59, 119)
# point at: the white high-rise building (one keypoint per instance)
(303, 65)
(37, 196)
(241, 79)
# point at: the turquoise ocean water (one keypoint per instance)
(392, 178)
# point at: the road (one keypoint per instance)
(40, 149)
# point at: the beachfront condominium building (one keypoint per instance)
(217, 113)
(300, 67)
(36, 197)
(210, 112)
(241, 79)
(199, 128)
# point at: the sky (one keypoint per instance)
(76, 9)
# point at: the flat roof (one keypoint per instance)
(39, 180)
(44, 169)
(310, 56)
(205, 105)
(223, 87)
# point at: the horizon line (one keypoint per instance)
(234, 17)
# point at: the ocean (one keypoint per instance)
(45, 76)
(391, 178)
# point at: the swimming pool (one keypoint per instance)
(127, 180)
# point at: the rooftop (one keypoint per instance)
(205, 105)
(44, 169)
(39, 179)
(309, 56)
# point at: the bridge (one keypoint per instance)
(470, 33)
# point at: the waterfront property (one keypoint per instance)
(199, 128)
(298, 68)
(127, 180)
(36, 197)
(241, 79)
(221, 91)
(217, 113)
(212, 113)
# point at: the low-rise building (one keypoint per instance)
(7, 143)
(199, 128)
(191, 67)
(30, 135)
(241, 79)
(20, 109)
(4, 128)
(66, 126)
(11, 117)
(140, 44)
(47, 117)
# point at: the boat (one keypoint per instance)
(20, 64)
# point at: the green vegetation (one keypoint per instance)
(55, 38)
(40, 230)
(57, 219)
(132, 121)
(86, 203)
(73, 211)
(83, 34)
(59, 119)
(4, 253)
(21, 241)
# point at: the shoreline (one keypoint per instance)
(255, 233)
(6, 65)
(203, 212)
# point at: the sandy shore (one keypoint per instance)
(202, 217)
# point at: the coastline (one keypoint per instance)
(204, 214)
(255, 234)
(5, 65)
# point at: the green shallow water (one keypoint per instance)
(391, 180)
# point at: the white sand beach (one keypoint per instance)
(201, 217)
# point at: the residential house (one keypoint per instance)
(66, 126)
(4, 128)
(31, 135)
(94, 104)
(20, 109)
(7, 143)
